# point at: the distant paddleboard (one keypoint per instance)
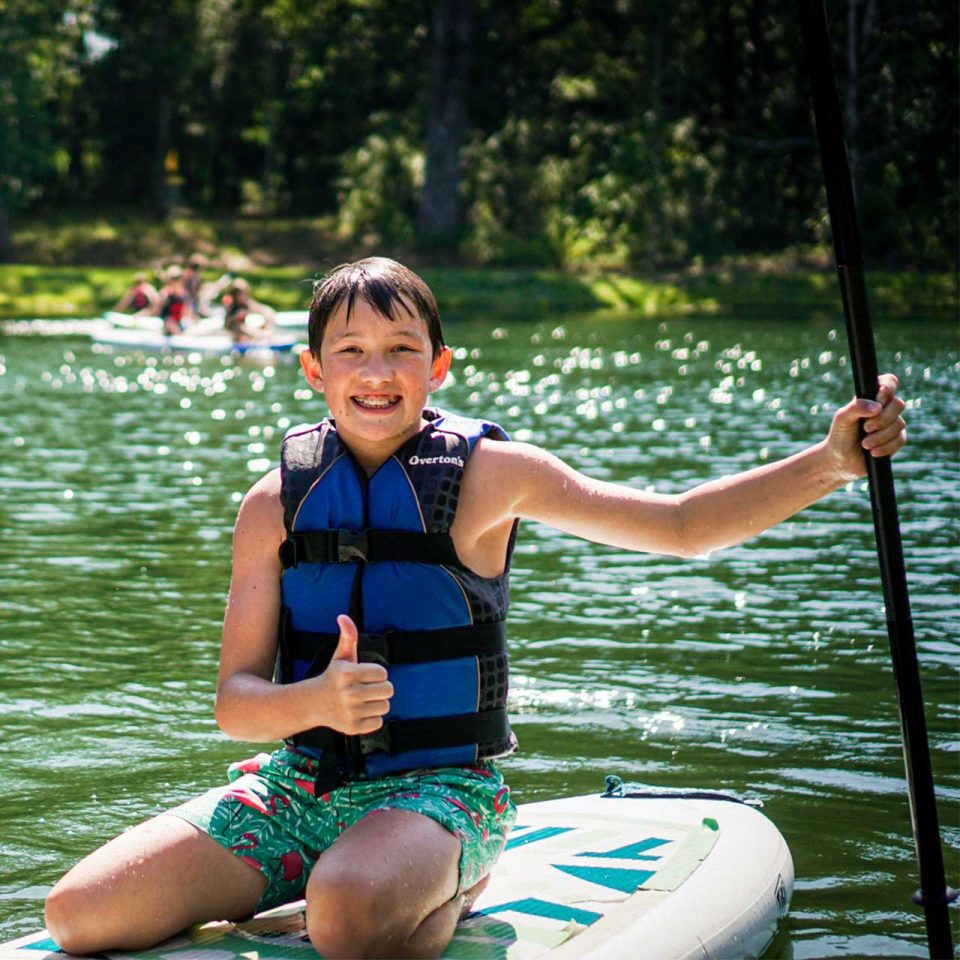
(662, 875)
(138, 338)
(291, 319)
(287, 320)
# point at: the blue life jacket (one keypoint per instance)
(379, 549)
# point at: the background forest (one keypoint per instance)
(602, 133)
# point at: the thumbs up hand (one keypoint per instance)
(356, 695)
(349, 638)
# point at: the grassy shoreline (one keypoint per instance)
(29, 291)
(76, 264)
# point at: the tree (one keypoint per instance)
(622, 133)
(40, 40)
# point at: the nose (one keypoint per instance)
(376, 368)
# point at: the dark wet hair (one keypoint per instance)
(389, 287)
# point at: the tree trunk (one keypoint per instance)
(161, 189)
(6, 240)
(438, 218)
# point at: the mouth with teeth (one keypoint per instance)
(376, 403)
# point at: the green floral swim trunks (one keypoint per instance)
(270, 816)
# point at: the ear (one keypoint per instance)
(440, 368)
(311, 369)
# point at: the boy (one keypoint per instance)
(375, 559)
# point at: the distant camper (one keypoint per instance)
(193, 279)
(239, 306)
(174, 305)
(202, 293)
(141, 298)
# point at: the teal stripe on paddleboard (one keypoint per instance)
(544, 908)
(633, 851)
(626, 881)
(47, 945)
(544, 833)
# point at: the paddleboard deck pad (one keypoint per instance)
(639, 872)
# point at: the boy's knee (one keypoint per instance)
(341, 918)
(70, 919)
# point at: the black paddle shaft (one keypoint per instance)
(934, 895)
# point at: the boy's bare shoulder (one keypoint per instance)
(261, 509)
(266, 488)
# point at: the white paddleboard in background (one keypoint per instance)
(205, 335)
(291, 319)
(135, 338)
(283, 319)
(653, 874)
(139, 321)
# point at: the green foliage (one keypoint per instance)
(378, 188)
(508, 198)
(619, 218)
(620, 135)
(42, 49)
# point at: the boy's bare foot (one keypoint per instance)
(469, 896)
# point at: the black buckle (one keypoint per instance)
(378, 740)
(374, 648)
(351, 546)
(324, 546)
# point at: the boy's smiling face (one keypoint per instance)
(376, 374)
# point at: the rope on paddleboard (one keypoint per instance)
(614, 787)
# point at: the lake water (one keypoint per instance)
(762, 669)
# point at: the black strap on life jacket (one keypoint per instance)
(354, 546)
(394, 646)
(401, 736)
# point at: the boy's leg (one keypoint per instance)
(414, 854)
(148, 884)
(386, 888)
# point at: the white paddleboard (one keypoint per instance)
(287, 320)
(134, 338)
(291, 319)
(140, 321)
(660, 875)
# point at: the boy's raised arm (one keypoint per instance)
(713, 515)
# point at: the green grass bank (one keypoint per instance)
(76, 265)
(28, 291)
